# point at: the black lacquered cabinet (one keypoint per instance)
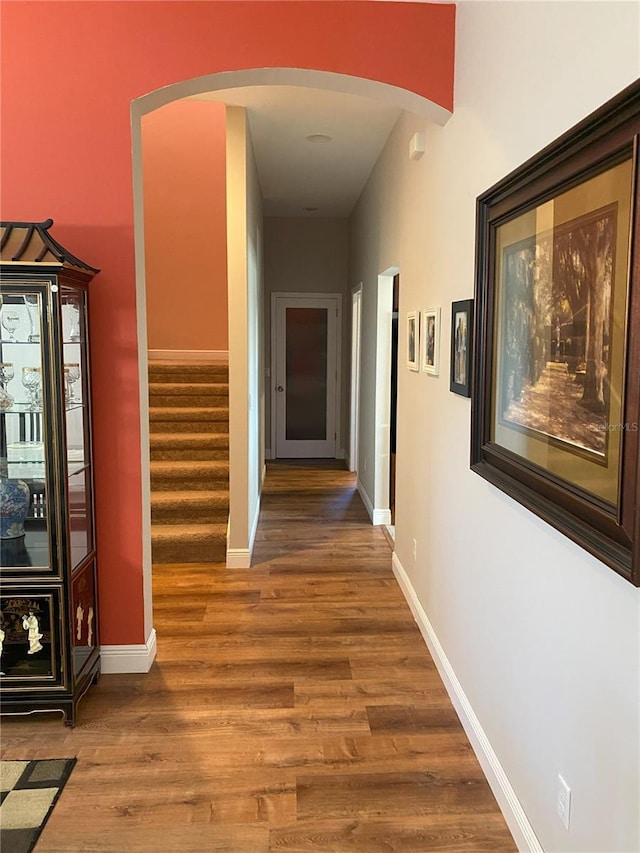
(48, 586)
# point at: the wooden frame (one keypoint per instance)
(461, 347)
(556, 401)
(430, 344)
(413, 340)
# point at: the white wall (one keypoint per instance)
(543, 638)
(244, 224)
(307, 256)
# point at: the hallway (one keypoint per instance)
(292, 707)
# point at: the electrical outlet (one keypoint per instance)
(415, 550)
(563, 802)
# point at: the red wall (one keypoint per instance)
(69, 73)
(185, 232)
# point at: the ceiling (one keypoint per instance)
(295, 174)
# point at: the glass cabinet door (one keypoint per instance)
(76, 410)
(25, 540)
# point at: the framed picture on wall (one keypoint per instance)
(413, 340)
(461, 342)
(556, 409)
(430, 344)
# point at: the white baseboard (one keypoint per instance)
(238, 558)
(508, 801)
(220, 356)
(377, 516)
(123, 659)
(267, 453)
(381, 516)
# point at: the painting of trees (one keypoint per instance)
(556, 329)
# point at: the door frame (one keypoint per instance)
(337, 298)
(354, 420)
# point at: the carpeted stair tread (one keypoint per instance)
(180, 389)
(189, 543)
(193, 531)
(201, 413)
(206, 467)
(184, 401)
(199, 371)
(186, 440)
(184, 507)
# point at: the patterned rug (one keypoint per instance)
(28, 792)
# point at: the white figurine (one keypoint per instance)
(30, 624)
(90, 627)
(79, 615)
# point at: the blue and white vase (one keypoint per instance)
(15, 498)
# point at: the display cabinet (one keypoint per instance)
(48, 595)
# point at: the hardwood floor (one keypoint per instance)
(292, 707)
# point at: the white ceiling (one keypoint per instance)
(296, 174)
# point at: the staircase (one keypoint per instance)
(189, 433)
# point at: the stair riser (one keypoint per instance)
(184, 515)
(182, 401)
(189, 374)
(218, 427)
(190, 455)
(189, 552)
(199, 389)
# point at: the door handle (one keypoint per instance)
(279, 388)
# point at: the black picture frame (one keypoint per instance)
(461, 370)
(556, 400)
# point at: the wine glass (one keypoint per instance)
(32, 303)
(32, 381)
(10, 321)
(7, 372)
(71, 375)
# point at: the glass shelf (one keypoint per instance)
(20, 408)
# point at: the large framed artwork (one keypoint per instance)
(556, 407)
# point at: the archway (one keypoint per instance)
(223, 84)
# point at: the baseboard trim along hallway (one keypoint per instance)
(134, 658)
(509, 803)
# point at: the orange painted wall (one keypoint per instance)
(69, 71)
(185, 232)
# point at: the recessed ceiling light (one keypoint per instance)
(319, 137)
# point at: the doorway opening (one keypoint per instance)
(305, 390)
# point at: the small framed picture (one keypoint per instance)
(430, 327)
(461, 343)
(413, 340)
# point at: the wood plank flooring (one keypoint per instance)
(293, 707)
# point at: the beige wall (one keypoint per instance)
(541, 638)
(307, 256)
(183, 158)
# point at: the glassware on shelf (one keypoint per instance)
(32, 381)
(33, 309)
(7, 372)
(71, 376)
(10, 321)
